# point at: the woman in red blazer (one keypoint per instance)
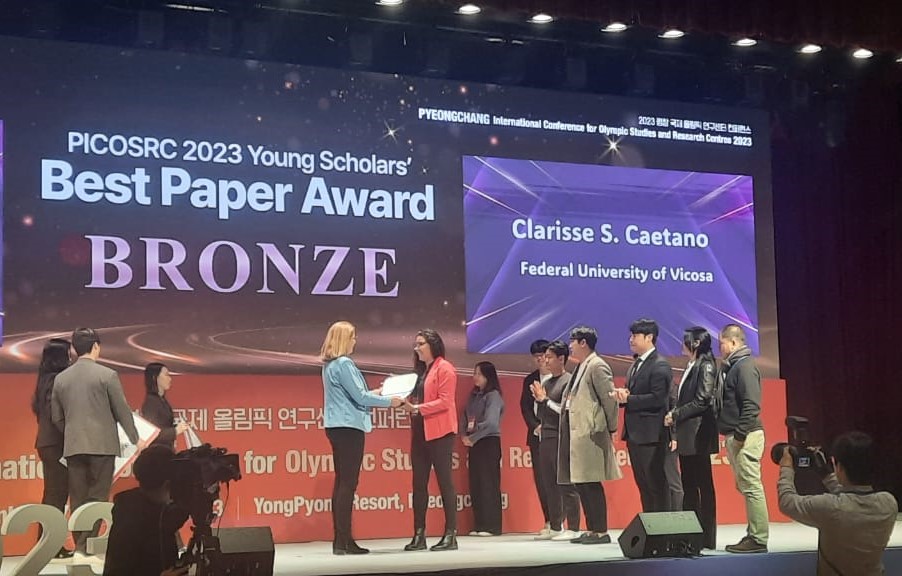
(433, 427)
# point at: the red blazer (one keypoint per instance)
(439, 407)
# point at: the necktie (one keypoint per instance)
(633, 371)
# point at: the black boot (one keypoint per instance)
(339, 545)
(353, 548)
(418, 542)
(448, 542)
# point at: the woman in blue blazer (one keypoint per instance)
(346, 418)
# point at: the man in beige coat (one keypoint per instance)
(589, 421)
(87, 402)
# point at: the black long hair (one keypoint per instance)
(488, 370)
(419, 367)
(54, 359)
(698, 340)
(434, 341)
(151, 373)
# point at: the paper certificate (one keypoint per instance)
(399, 386)
(147, 433)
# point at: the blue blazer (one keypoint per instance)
(346, 398)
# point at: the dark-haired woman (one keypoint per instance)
(156, 408)
(482, 422)
(433, 427)
(49, 442)
(696, 430)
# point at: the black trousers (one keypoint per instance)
(424, 456)
(485, 484)
(537, 479)
(563, 500)
(674, 480)
(90, 478)
(56, 477)
(347, 454)
(595, 505)
(698, 486)
(648, 470)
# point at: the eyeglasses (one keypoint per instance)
(418, 345)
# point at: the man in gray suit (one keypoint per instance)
(87, 402)
(590, 415)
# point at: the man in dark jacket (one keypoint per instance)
(529, 411)
(142, 538)
(739, 420)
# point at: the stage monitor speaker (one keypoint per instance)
(245, 552)
(662, 534)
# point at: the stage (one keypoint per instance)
(792, 550)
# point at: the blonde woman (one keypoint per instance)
(346, 417)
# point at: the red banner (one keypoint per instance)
(274, 423)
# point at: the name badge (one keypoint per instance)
(471, 424)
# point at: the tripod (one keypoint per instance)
(203, 550)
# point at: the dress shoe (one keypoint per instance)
(448, 542)
(594, 538)
(747, 545)
(418, 542)
(579, 539)
(353, 548)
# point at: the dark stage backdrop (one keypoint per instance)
(838, 231)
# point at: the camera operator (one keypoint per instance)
(142, 539)
(854, 521)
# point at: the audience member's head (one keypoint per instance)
(153, 467)
(853, 456)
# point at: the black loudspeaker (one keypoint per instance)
(245, 552)
(662, 534)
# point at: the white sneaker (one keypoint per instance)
(81, 558)
(550, 535)
(484, 534)
(565, 536)
(473, 533)
(544, 530)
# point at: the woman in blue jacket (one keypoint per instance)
(346, 418)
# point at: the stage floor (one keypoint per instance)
(509, 551)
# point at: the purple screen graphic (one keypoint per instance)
(553, 245)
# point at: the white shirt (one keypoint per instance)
(683, 379)
(641, 359)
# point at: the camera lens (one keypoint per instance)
(776, 453)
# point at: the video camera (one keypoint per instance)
(196, 476)
(194, 486)
(810, 462)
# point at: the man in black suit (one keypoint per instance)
(646, 400)
(529, 411)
